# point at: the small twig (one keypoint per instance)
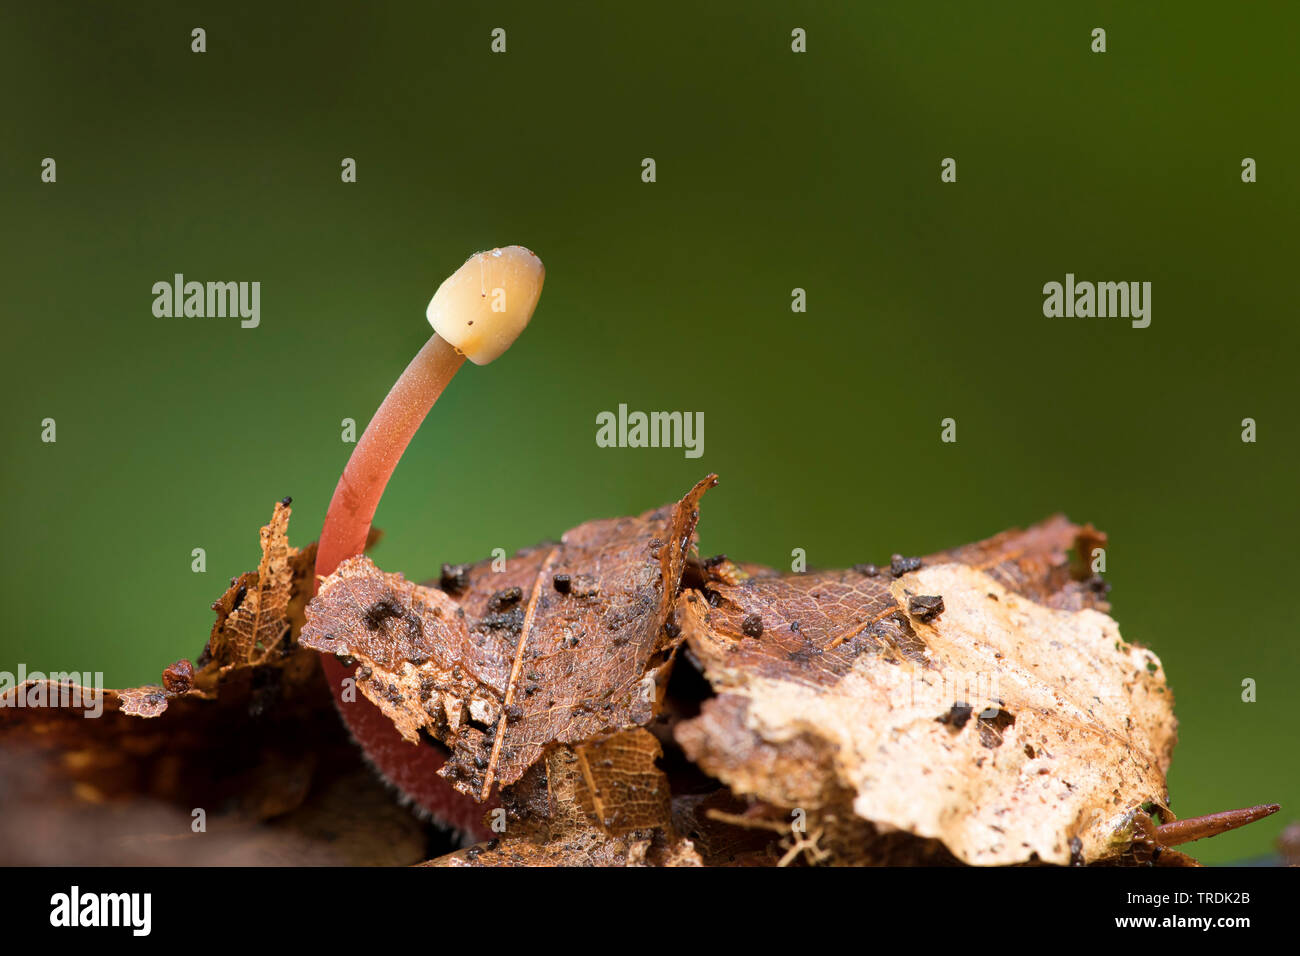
(750, 823)
(1211, 824)
(808, 847)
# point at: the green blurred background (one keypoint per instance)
(775, 170)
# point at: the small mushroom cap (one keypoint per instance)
(481, 308)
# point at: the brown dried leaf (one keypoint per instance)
(604, 803)
(268, 762)
(258, 618)
(568, 644)
(623, 789)
(978, 706)
(260, 609)
(261, 751)
(1004, 725)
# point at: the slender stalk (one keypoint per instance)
(477, 312)
(352, 508)
(1198, 828)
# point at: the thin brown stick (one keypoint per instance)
(524, 633)
(1211, 824)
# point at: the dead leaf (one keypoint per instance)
(272, 771)
(599, 804)
(260, 752)
(622, 788)
(258, 618)
(567, 644)
(260, 609)
(976, 706)
(1004, 726)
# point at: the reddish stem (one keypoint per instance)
(514, 276)
(413, 770)
(352, 509)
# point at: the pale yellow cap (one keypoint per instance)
(481, 308)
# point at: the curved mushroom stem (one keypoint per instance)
(352, 508)
(347, 526)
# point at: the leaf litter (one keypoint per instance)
(631, 704)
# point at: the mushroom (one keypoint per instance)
(476, 313)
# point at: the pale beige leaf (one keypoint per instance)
(1006, 728)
